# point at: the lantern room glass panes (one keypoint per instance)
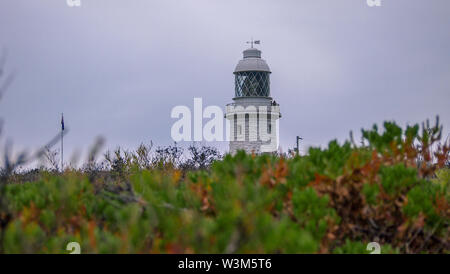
(252, 84)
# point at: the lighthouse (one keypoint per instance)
(253, 115)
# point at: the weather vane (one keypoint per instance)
(256, 42)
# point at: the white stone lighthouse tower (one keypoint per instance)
(253, 115)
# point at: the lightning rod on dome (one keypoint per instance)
(256, 42)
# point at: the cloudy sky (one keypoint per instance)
(116, 68)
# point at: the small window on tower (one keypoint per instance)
(239, 129)
(270, 128)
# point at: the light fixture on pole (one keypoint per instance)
(298, 139)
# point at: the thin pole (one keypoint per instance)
(62, 142)
(298, 146)
(62, 151)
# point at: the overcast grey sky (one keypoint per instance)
(116, 68)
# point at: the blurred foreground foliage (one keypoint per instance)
(393, 189)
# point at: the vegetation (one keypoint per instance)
(394, 190)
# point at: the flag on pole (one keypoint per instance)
(62, 121)
(257, 42)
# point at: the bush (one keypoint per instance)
(393, 190)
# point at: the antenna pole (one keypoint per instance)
(298, 139)
(62, 151)
(251, 42)
(62, 142)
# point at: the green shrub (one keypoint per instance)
(333, 200)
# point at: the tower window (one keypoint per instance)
(252, 83)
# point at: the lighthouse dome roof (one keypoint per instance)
(252, 62)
